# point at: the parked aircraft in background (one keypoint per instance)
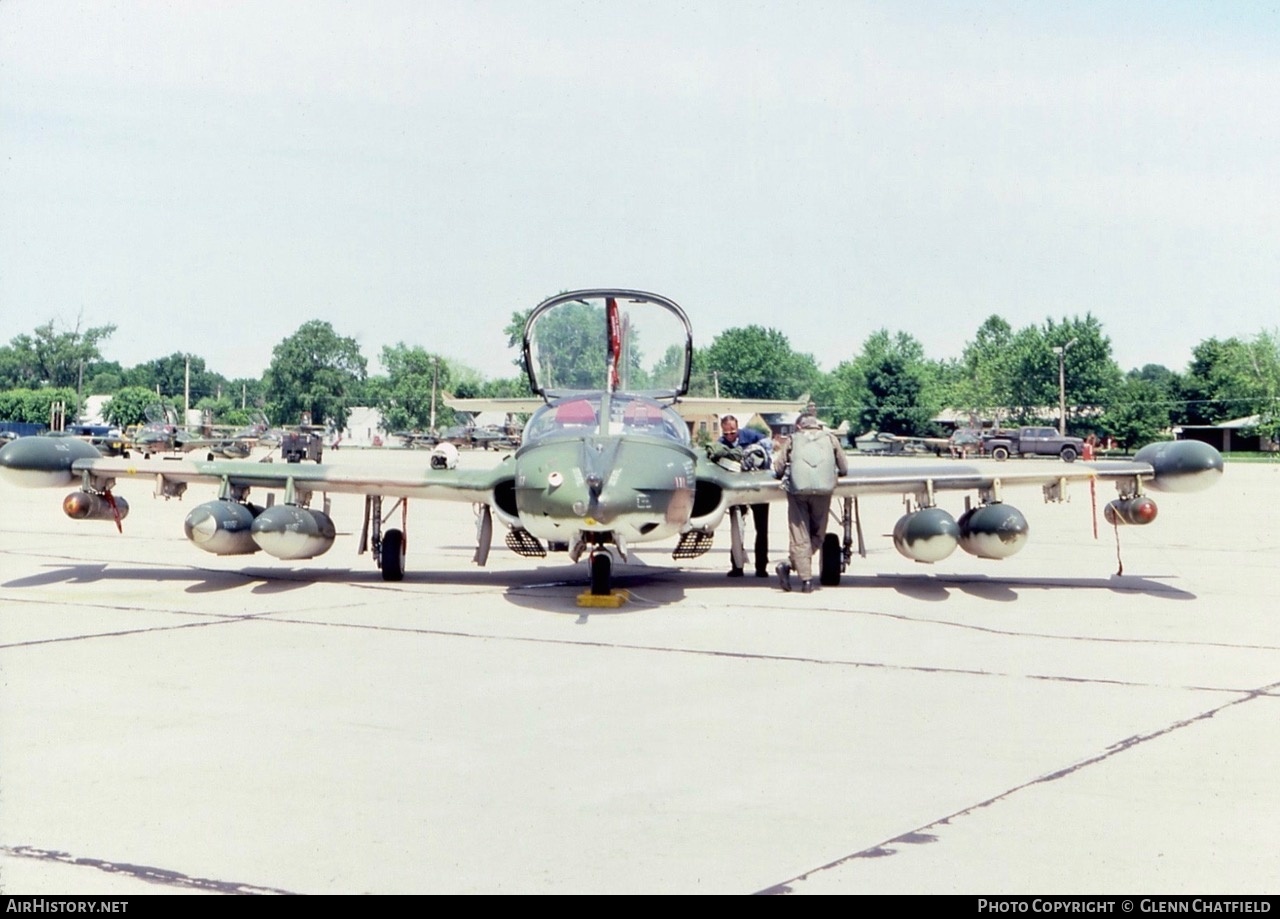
(606, 462)
(486, 437)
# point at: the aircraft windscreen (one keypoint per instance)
(611, 341)
(579, 415)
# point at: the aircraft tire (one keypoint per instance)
(393, 555)
(1000, 454)
(829, 561)
(601, 570)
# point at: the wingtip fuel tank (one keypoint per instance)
(1181, 465)
(43, 462)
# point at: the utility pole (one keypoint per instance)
(1062, 385)
(715, 376)
(435, 380)
(186, 390)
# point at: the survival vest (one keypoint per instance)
(813, 463)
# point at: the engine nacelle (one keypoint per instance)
(993, 531)
(222, 527)
(927, 535)
(444, 456)
(1137, 511)
(290, 532)
(86, 505)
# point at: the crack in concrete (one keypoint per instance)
(921, 834)
(148, 873)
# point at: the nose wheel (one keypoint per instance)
(601, 573)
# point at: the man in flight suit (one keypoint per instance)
(809, 464)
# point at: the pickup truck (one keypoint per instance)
(1032, 442)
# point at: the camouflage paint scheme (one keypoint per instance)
(598, 470)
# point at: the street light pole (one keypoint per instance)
(1062, 386)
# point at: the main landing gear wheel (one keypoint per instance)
(829, 561)
(392, 555)
(601, 570)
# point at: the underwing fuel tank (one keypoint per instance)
(85, 505)
(290, 532)
(993, 531)
(222, 527)
(1137, 511)
(927, 535)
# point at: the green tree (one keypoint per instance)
(569, 346)
(226, 411)
(983, 383)
(514, 331)
(103, 379)
(504, 388)
(33, 405)
(752, 362)
(1233, 379)
(889, 387)
(404, 396)
(1013, 376)
(130, 405)
(314, 370)
(50, 356)
(247, 393)
(1138, 412)
(177, 374)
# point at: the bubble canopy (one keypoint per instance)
(610, 341)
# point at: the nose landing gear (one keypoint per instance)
(601, 593)
(601, 572)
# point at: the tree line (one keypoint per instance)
(1004, 375)
(1007, 377)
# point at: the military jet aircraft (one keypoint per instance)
(485, 437)
(606, 462)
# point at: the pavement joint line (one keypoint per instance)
(289, 618)
(148, 873)
(773, 658)
(1012, 633)
(923, 834)
(215, 620)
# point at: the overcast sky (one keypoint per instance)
(209, 176)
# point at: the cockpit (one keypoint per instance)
(581, 414)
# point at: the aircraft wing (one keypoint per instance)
(514, 406)
(926, 478)
(697, 406)
(688, 407)
(467, 485)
